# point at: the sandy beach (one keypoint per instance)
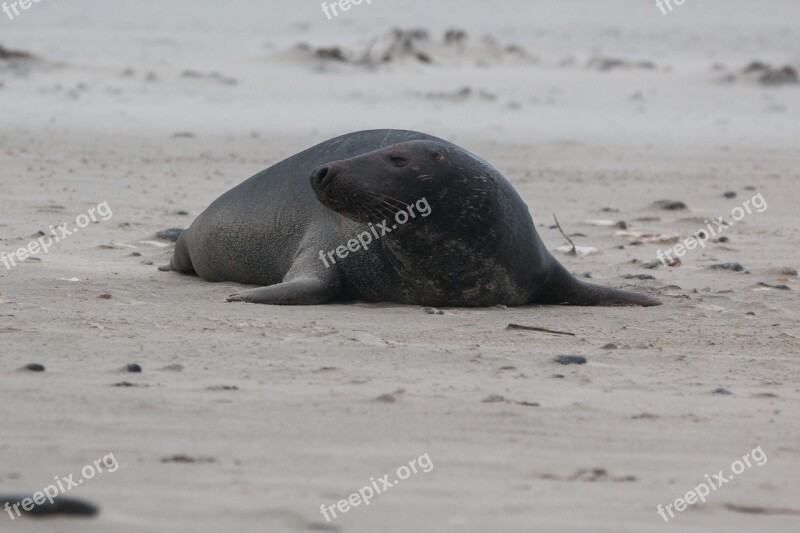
(635, 128)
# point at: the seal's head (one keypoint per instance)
(459, 188)
(474, 232)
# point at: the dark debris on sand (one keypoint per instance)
(60, 506)
(417, 45)
(736, 267)
(5, 53)
(570, 360)
(170, 234)
(764, 74)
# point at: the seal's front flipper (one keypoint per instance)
(299, 291)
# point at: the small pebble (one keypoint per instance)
(729, 194)
(494, 398)
(781, 287)
(133, 367)
(105, 296)
(433, 311)
(136, 254)
(722, 391)
(670, 205)
(736, 267)
(386, 398)
(570, 360)
(170, 234)
(34, 367)
(638, 276)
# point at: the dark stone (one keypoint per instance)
(170, 234)
(570, 360)
(736, 267)
(638, 276)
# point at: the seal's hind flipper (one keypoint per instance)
(299, 291)
(166, 268)
(563, 288)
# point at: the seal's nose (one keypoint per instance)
(321, 177)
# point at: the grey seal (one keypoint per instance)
(325, 225)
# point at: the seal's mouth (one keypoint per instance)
(336, 189)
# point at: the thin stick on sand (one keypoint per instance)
(574, 250)
(534, 328)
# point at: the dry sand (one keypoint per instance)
(248, 418)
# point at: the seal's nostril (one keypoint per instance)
(322, 177)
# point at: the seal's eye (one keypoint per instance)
(397, 160)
